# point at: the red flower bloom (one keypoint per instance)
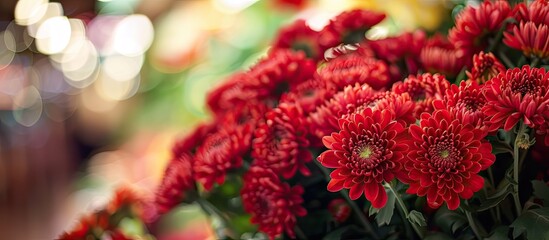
(230, 93)
(349, 27)
(465, 103)
(280, 71)
(178, 178)
(94, 226)
(485, 67)
(532, 40)
(401, 107)
(280, 142)
(517, 94)
(189, 143)
(474, 26)
(423, 89)
(405, 47)
(299, 36)
(220, 152)
(366, 152)
(339, 209)
(272, 203)
(308, 95)
(324, 120)
(440, 56)
(537, 12)
(445, 158)
(353, 68)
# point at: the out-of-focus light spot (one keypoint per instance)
(80, 63)
(53, 35)
(247, 31)
(78, 36)
(197, 84)
(318, 19)
(233, 6)
(48, 80)
(21, 37)
(133, 35)
(30, 11)
(6, 55)
(122, 68)
(95, 103)
(53, 9)
(377, 32)
(112, 89)
(9, 40)
(27, 106)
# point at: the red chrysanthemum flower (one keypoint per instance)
(475, 26)
(273, 204)
(537, 12)
(485, 67)
(440, 56)
(281, 143)
(308, 95)
(423, 89)
(299, 37)
(353, 68)
(465, 103)
(401, 107)
(277, 73)
(445, 158)
(518, 93)
(366, 152)
(352, 99)
(339, 209)
(94, 226)
(178, 178)
(349, 27)
(230, 93)
(531, 39)
(189, 143)
(221, 151)
(404, 48)
(294, 4)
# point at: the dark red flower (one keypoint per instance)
(94, 226)
(401, 106)
(274, 205)
(220, 152)
(537, 12)
(232, 92)
(281, 143)
(299, 37)
(352, 99)
(349, 27)
(530, 38)
(404, 48)
(366, 152)
(475, 26)
(178, 178)
(308, 95)
(445, 158)
(353, 68)
(189, 143)
(339, 209)
(423, 89)
(440, 56)
(485, 67)
(277, 73)
(465, 103)
(518, 93)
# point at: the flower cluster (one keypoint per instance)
(375, 120)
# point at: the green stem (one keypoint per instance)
(402, 206)
(516, 167)
(477, 229)
(505, 60)
(345, 194)
(299, 233)
(534, 62)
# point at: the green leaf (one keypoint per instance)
(500, 233)
(504, 189)
(385, 214)
(416, 217)
(450, 221)
(534, 222)
(541, 190)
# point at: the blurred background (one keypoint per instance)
(94, 92)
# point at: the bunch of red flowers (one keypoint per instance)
(409, 119)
